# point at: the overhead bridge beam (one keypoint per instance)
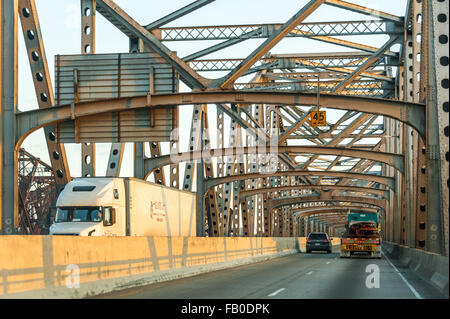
(387, 181)
(379, 192)
(288, 201)
(412, 114)
(391, 159)
(338, 210)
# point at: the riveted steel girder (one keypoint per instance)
(287, 201)
(252, 192)
(387, 181)
(337, 210)
(394, 160)
(412, 114)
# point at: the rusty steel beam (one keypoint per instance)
(364, 10)
(378, 192)
(331, 210)
(391, 159)
(386, 181)
(43, 87)
(279, 202)
(406, 112)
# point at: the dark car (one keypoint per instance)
(318, 242)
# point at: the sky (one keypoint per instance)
(60, 27)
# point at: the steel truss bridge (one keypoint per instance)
(387, 150)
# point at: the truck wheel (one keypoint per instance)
(328, 251)
(308, 251)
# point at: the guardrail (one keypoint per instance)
(77, 267)
(431, 267)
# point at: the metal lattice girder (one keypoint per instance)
(392, 159)
(322, 187)
(227, 32)
(299, 32)
(360, 88)
(42, 83)
(287, 201)
(291, 61)
(367, 80)
(331, 210)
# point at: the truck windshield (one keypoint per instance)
(79, 214)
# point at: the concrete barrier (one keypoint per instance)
(77, 267)
(431, 267)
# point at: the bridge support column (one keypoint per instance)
(437, 123)
(305, 225)
(301, 230)
(8, 106)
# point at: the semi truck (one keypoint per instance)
(123, 207)
(361, 235)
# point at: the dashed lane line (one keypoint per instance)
(276, 292)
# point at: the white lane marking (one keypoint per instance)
(328, 262)
(310, 273)
(414, 291)
(276, 292)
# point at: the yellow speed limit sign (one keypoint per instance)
(318, 118)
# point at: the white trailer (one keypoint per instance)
(123, 207)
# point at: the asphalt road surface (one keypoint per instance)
(299, 276)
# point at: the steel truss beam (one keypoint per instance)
(406, 112)
(279, 202)
(387, 181)
(322, 187)
(336, 210)
(227, 32)
(391, 159)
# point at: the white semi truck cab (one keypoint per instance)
(123, 207)
(90, 207)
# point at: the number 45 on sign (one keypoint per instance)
(318, 118)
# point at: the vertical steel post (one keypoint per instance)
(8, 106)
(88, 11)
(200, 189)
(438, 85)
